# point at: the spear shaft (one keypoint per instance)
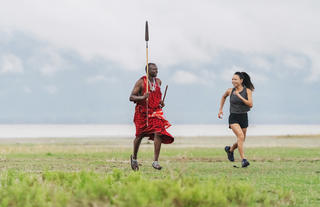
(147, 71)
(165, 93)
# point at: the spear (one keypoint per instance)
(165, 93)
(147, 71)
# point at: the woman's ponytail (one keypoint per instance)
(246, 80)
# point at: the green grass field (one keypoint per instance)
(284, 171)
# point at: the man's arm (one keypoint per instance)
(161, 102)
(135, 94)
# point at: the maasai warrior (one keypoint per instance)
(155, 125)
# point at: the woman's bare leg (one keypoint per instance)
(240, 138)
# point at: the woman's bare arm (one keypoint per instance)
(223, 100)
(245, 101)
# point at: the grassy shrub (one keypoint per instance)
(135, 189)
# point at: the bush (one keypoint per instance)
(116, 189)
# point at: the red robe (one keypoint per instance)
(156, 121)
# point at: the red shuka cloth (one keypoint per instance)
(156, 121)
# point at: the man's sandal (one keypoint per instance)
(156, 165)
(134, 164)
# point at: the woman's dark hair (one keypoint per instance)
(246, 79)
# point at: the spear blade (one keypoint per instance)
(147, 32)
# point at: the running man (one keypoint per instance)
(240, 104)
(155, 125)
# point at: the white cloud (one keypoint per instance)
(48, 60)
(51, 89)
(52, 63)
(10, 64)
(314, 74)
(101, 78)
(204, 77)
(190, 32)
(227, 74)
(295, 62)
(185, 77)
(257, 77)
(207, 76)
(48, 70)
(261, 62)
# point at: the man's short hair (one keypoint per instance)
(149, 64)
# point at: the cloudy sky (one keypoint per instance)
(76, 61)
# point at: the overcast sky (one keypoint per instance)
(76, 61)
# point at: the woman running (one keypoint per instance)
(240, 104)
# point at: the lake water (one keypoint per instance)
(59, 130)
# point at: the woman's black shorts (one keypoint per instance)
(241, 119)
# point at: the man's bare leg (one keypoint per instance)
(157, 148)
(136, 145)
(133, 158)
